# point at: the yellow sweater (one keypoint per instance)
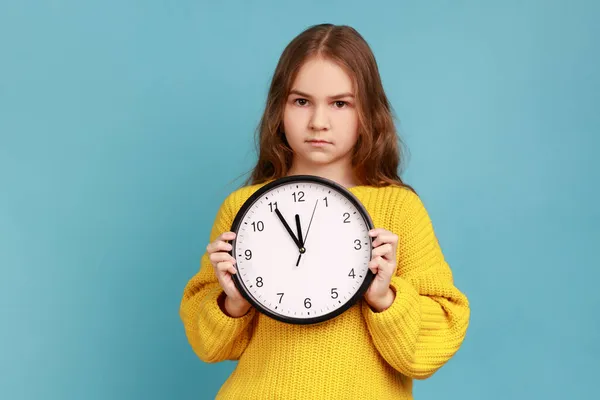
(360, 354)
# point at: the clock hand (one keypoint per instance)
(310, 223)
(299, 228)
(287, 227)
(302, 249)
(303, 241)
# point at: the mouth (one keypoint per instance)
(318, 142)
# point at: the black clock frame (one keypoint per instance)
(256, 196)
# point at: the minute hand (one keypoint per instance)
(287, 227)
(309, 224)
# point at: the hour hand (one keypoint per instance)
(302, 249)
(287, 227)
(299, 229)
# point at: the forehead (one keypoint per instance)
(321, 77)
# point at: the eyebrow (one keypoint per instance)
(337, 96)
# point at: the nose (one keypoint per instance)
(319, 120)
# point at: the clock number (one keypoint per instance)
(326, 204)
(334, 294)
(357, 243)
(280, 297)
(273, 206)
(307, 303)
(351, 274)
(259, 281)
(347, 215)
(260, 226)
(299, 198)
(248, 254)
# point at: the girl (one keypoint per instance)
(327, 115)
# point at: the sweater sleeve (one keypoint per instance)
(427, 322)
(212, 334)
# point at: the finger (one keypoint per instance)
(377, 265)
(227, 236)
(380, 266)
(383, 250)
(222, 238)
(218, 257)
(226, 266)
(387, 237)
(218, 245)
(377, 231)
(374, 267)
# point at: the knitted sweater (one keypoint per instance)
(360, 354)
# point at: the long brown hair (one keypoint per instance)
(377, 153)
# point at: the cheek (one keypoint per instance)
(349, 124)
(293, 122)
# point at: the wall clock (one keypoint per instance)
(302, 249)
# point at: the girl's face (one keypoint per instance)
(320, 118)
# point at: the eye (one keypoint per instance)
(340, 104)
(301, 102)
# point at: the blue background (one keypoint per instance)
(123, 125)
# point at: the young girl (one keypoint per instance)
(327, 115)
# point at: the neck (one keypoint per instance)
(342, 174)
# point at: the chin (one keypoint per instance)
(318, 158)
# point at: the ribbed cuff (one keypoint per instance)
(221, 328)
(400, 319)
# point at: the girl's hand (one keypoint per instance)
(235, 304)
(383, 264)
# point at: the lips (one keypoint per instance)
(318, 141)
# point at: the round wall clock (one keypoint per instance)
(302, 249)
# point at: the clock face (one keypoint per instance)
(302, 249)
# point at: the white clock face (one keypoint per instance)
(307, 277)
